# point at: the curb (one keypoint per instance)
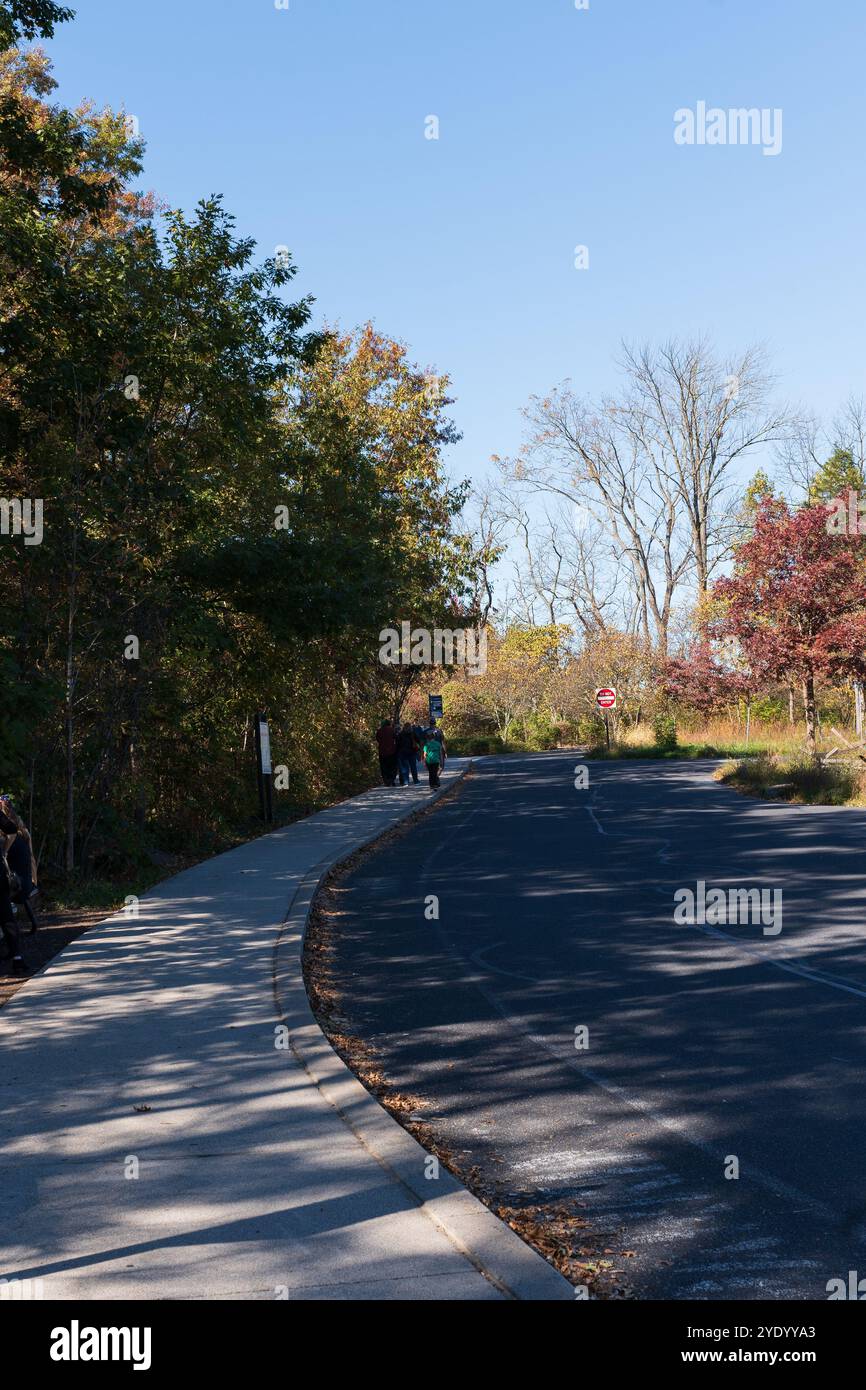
(491, 1246)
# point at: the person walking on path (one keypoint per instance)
(387, 742)
(433, 731)
(8, 883)
(21, 860)
(407, 755)
(434, 754)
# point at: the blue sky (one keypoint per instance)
(556, 129)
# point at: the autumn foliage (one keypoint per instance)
(796, 601)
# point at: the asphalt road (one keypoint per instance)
(706, 1043)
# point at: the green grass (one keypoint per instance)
(97, 893)
(682, 750)
(477, 747)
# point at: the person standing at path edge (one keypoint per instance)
(387, 752)
(8, 924)
(18, 848)
(407, 754)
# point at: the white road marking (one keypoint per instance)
(792, 968)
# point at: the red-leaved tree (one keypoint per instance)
(796, 602)
(702, 681)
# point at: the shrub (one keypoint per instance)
(474, 746)
(769, 711)
(590, 730)
(665, 731)
(567, 733)
(540, 733)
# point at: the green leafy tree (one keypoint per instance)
(29, 19)
(234, 505)
(835, 477)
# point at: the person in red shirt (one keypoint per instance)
(387, 742)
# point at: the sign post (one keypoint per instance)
(606, 700)
(435, 702)
(264, 770)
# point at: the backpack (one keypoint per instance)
(8, 877)
(432, 751)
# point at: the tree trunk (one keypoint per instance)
(809, 706)
(69, 855)
(71, 675)
(791, 705)
(701, 545)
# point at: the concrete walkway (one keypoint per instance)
(158, 1139)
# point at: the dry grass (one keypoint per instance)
(798, 778)
(713, 738)
(730, 733)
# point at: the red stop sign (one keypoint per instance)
(606, 698)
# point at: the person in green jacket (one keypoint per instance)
(434, 753)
